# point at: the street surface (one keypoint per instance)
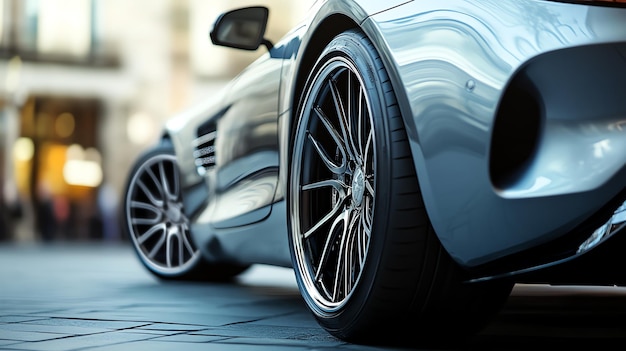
(99, 297)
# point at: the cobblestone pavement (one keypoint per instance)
(99, 297)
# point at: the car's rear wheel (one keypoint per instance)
(366, 258)
(157, 224)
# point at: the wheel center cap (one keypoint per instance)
(358, 186)
(174, 212)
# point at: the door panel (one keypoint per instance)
(246, 147)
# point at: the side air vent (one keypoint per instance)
(516, 132)
(204, 152)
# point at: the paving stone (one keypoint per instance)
(189, 338)
(113, 314)
(310, 345)
(88, 323)
(84, 298)
(261, 309)
(300, 319)
(17, 319)
(171, 327)
(28, 335)
(8, 342)
(264, 331)
(216, 346)
(54, 329)
(82, 342)
(204, 319)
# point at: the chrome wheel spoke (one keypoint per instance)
(340, 265)
(360, 124)
(158, 245)
(157, 183)
(344, 117)
(181, 249)
(155, 218)
(360, 244)
(368, 186)
(169, 194)
(337, 169)
(342, 284)
(333, 183)
(173, 248)
(329, 216)
(150, 232)
(336, 185)
(367, 213)
(364, 234)
(169, 253)
(330, 238)
(153, 199)
(341, 146)
(368, 147)
(186, 242)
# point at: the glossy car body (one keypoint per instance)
(515, 116)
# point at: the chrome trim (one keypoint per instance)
(612, 226)
(204, 152)
(206, 138)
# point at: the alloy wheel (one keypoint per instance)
(333, 188)
(156, 220)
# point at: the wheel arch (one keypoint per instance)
(323, 33)
(314, 42)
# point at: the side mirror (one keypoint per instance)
(241, 28)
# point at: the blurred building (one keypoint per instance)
(85, 86)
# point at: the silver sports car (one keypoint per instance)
(411, 160)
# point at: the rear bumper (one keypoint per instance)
(601, 263)
(593, 253)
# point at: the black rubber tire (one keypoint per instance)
(194, 267)
(410, 291)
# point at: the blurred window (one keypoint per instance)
(64, 27)
(60, 31)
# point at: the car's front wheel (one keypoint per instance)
(156, 222)
(366, 258)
